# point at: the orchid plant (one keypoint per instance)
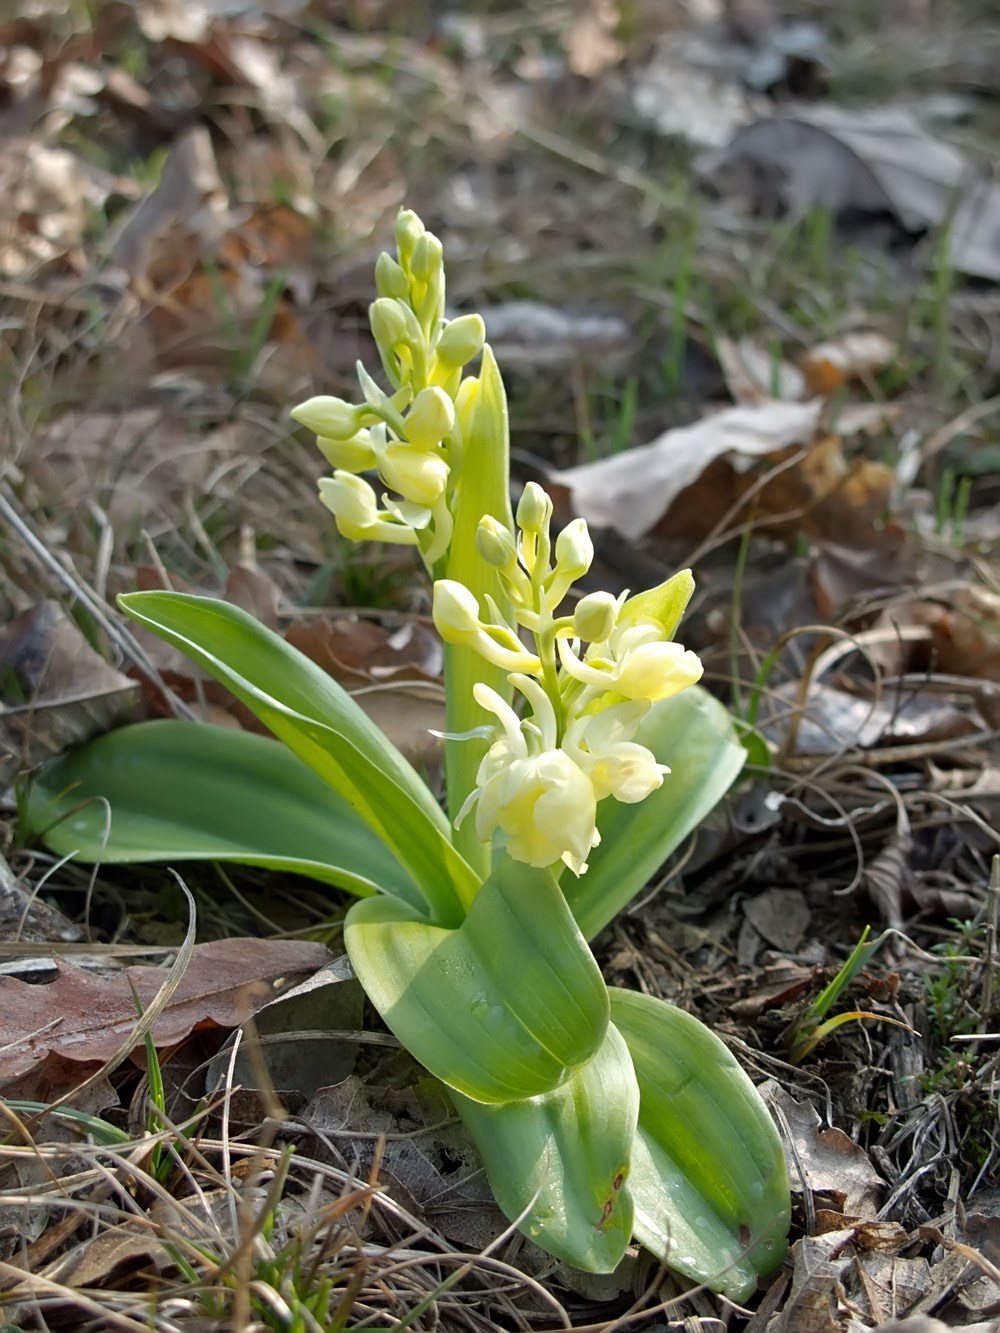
(601, 1115)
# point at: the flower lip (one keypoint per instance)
(545, 804)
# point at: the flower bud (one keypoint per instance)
(390, 280)
(461, 340)
(574, 549)
(429, 309)
(456, 616)
(388, 323)
(466, 402)
(417, 475)
(353, 455)
(495, 543)
(456, 610)
(534, 509)
(594, 617)
(427, 256)
(430, 419)
(331, 417)
(409, 229)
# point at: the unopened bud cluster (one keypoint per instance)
(544, 774)
(411, 436)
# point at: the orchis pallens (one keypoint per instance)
(543, 775)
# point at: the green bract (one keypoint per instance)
(579, 754)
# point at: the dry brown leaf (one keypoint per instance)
(297, 1038)
(250, 589)
(867, 160)
(842, 575)
(832, 720)
(824, 1161)
(853, 356)
(829, 497)
(819, 1267)
(22, 1227)
(590, 42)
(752, 372)
(632, 491)
(111, 1254)
(140, 464)
(24, 915)
(966, 636)
(47, 199)
(190, 191)
(55, 690)
(817, 492)
(781, 916)
(80, 1017)
(418, 1161)
(393, 676)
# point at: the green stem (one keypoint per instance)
(462, 669)
(545, 641)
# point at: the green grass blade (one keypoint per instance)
(322, 724)
(564, 1158)
(180, 791)
(501, 1008)
(693, 733)
(708, 1172)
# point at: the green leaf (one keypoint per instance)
(562, 1160)
(322, 724)
(179, 791)
(708, 1172)
(693, 733)
(501, 1008)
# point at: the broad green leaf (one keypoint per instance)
(708, 1172)
(501, 1008)
(177, 791)
(562, 1160)
(691, 732)
(322, 724)
(484, 488)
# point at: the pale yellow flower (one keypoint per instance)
(617, 766)
(636, 662)
(355, 507)
(546, 806)
(543, 801)
(457, 618)
(430, 419)
(417, 475)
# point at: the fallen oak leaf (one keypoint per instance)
(393, 675)
(857, 355)
(631, 491)
(55, 690)
(84, 1018)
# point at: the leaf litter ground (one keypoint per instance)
(771, 362)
